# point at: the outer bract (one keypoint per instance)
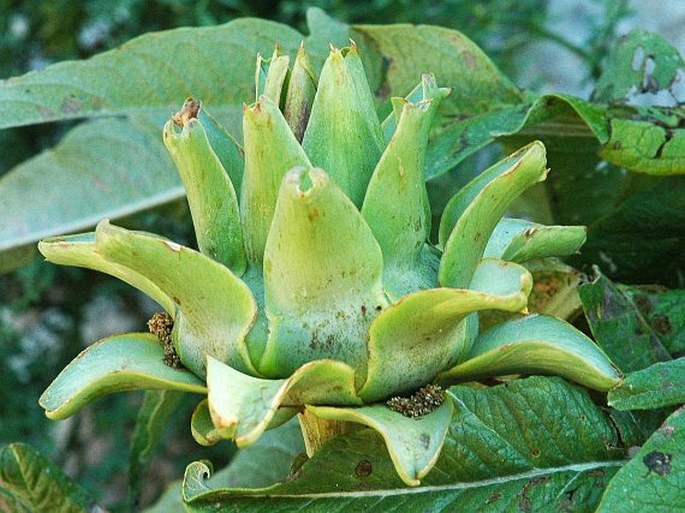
(316, 291)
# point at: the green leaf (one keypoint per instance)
(641, 64)
(320, 295)
(202, 427)
(654, 479)
(325, 31)
(170, 501)
(537, 443)
(537, 344)
(211, 196)
(461, 201)
(614, 319)
(635, 222)
(664, 310)
(242, 407)
(661, 384)
(120, 363)
(111, 168)
(639, 240)
(271, 150)
(646, 147)
(265, 462)
(34, 483)
(343, 135)
(158, 406)
(414, 444)
(458, 63)
(216, 309)
(491, 194)
(79, 250)
(456, 137)
(150, 74)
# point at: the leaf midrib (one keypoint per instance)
(531, 474)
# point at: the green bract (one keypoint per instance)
(315, 291)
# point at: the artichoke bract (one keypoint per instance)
(315, 291)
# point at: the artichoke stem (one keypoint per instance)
(317, 431)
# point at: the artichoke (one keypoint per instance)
(315, 291)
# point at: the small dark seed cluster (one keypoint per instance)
(161, 325)
(426, 400)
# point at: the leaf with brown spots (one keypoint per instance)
(654, 479)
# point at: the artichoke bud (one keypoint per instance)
(270, 76)
(319, 293)
(300, 94)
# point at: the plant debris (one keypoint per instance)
(424, 401)
(161, 324)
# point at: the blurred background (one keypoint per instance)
(49, 313)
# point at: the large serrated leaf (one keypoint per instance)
(654, 480)
(538, 444)
(613, 319)
(664, 310)
(661, 384)
(30, 482)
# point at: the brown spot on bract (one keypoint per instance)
(658, 462)
(469, 60)
(313, 214)
(363, 469)
(45, 112)
(71, 105)
(618, 145)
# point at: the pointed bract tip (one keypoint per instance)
(189, 111)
